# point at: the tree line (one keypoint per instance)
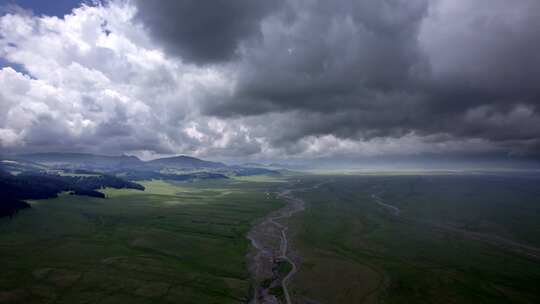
(14, 189)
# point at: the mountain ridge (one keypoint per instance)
(74, 158)
(184, 161)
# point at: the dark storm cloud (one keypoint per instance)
(203, 31)
(348, 68)
(330, 55)
(369, 69)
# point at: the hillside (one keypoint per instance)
(178, 168)
(82, 160)
(183, 161)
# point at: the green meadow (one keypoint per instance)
(173, 243)
(356, 251)
(185, 242)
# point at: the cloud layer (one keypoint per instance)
(295, 78)
(202, 31)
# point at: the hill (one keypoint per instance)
(81, 160)
(183, 162)
(180, 168)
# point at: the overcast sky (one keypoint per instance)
(282, 79)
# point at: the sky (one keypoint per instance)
(272, 80)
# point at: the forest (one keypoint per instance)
(41, 185)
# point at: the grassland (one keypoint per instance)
(173, 243)
(355, 251)
(185, 242)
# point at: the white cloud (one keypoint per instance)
(96, 80)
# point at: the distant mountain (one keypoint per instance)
(84, 160)
(11, 165)
(185, 162)
(81, 160)
(129, 167)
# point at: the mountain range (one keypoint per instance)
(93, 161)
(130, 167)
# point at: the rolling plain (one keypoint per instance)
(358, 238)
(419, 238)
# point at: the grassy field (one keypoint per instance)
(173, 243)
(356, 251)
(185, 242)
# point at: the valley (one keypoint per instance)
(91, 234)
